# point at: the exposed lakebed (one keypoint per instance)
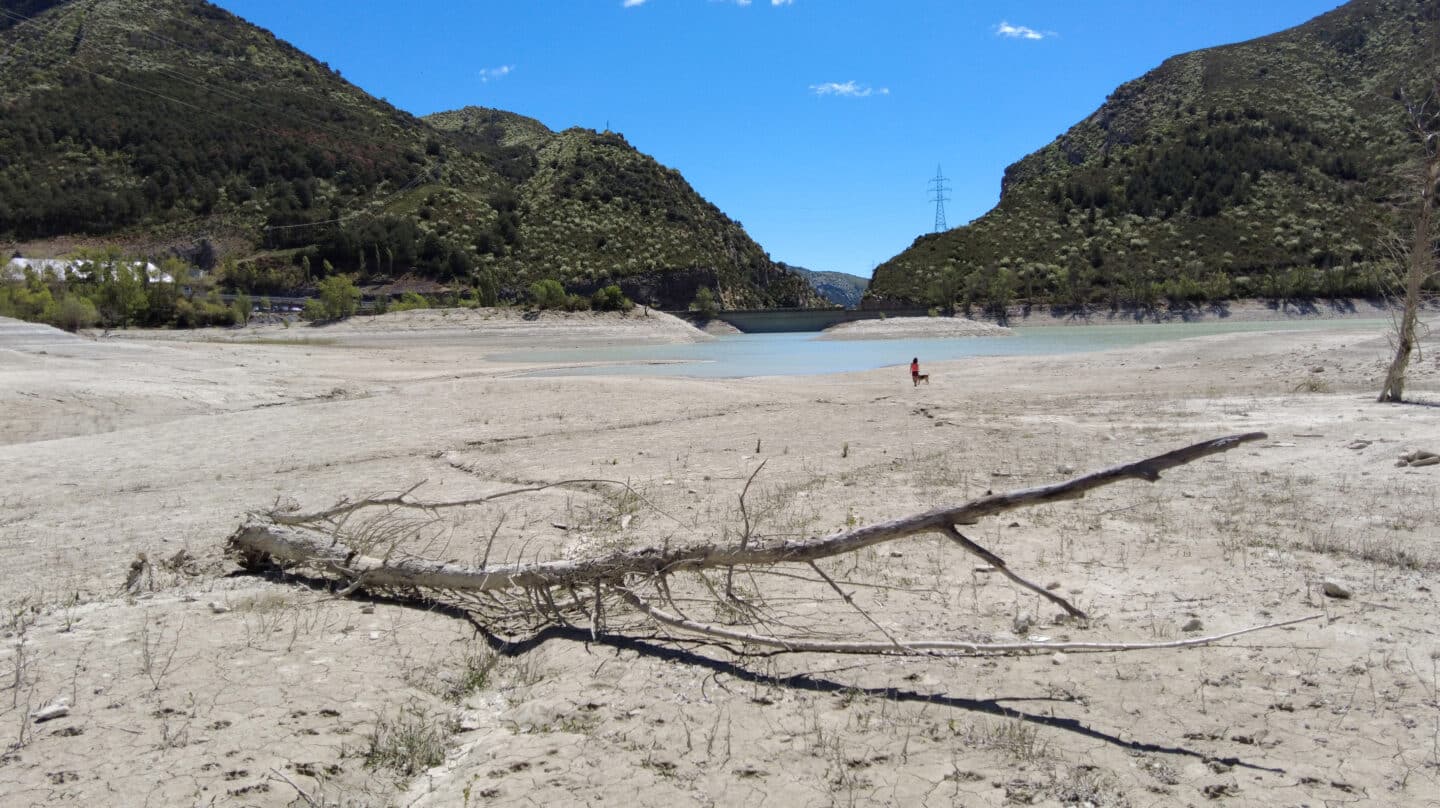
(795, 354)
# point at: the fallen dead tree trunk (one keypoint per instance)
(583, 589)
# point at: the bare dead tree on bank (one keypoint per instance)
(639, 588)
(1418, 259)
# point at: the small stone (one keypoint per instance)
(374, 635)
(1193, 625)
(1023, 623)
(1065, 468)
(218, 608)
(1317, 369)
(1217, 791)
(625, 521)
(1053, 585)
(1057, 658)
(55, 709)
(367, 609)
(1335, 590)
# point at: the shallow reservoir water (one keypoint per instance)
(794, 354)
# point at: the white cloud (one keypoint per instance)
(632, 3)
(1005, 29)
(847, 89)
(782, 2)
(496, 73)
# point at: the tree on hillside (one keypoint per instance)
(705, 303)
(611, 298)
(339, 297)
(548, 294)
(1419, 259)
(946, 289)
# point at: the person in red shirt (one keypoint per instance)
(915, 371)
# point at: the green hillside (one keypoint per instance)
(174, 127)
(1266, 168)
(597, 211)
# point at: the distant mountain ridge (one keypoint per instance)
(173, 125)
(840, 288)
(1265, 168)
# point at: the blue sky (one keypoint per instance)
(815, 123)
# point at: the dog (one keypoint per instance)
(921, 377)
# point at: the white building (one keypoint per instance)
(68, 269)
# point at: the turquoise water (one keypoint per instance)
(797, 354)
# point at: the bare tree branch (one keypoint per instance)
(744, 537)
(518, 593)
(297, 543)
(999, 564)
(401, 500)
(933, 647)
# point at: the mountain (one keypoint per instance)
(598, 211)
(1266, 168)
(173, 126)
(839, 288)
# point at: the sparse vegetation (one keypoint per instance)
(407, 742)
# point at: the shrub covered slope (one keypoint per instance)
(172, 126)
(1266, 168)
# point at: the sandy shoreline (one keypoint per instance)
(209, 685)
(510, 327)
(912, 327)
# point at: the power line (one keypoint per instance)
(938, 189)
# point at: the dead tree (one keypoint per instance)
(638, 587)
(1418, 260)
